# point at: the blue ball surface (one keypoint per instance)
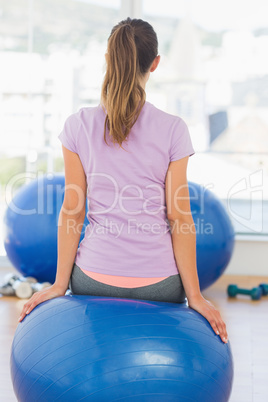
(94, 348)
(215, 234)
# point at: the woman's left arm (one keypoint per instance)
(70, 224)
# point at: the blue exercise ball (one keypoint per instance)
(95, 348)
(214, 234)
(31, 224)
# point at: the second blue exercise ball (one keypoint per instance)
(214, 234)
(31, 224)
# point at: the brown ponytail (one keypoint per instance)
(132, 47)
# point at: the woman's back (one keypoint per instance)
(128, 234)
(131, 178)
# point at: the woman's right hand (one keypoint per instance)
(206, 308)
(41, 296)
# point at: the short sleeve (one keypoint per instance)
(69, 133)
(181, 143)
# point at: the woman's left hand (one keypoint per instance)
(41, 296)
(213, 316)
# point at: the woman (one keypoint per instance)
(129, 159)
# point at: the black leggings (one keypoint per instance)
(168, 290)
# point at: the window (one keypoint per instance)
(214, 74)
(52, 63)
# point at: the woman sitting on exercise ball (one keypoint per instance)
(129, 159)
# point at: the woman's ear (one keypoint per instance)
(155, 63)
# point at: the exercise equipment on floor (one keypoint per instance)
(31, 223)
(22, 287)
(104, 349)
(255, 293)
(31, 238)
(264, 288)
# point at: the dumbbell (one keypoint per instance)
(255, 293)
(264, 288)
(36, 287)
(10, 278)
(6, 288)
(22, 288)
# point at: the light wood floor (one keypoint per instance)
(247, 326)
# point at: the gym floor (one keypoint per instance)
(247, 327)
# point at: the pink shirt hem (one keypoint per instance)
(122, 281)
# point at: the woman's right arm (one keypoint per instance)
(70, 223)
(183, 235)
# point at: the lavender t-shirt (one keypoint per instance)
(128, 232)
